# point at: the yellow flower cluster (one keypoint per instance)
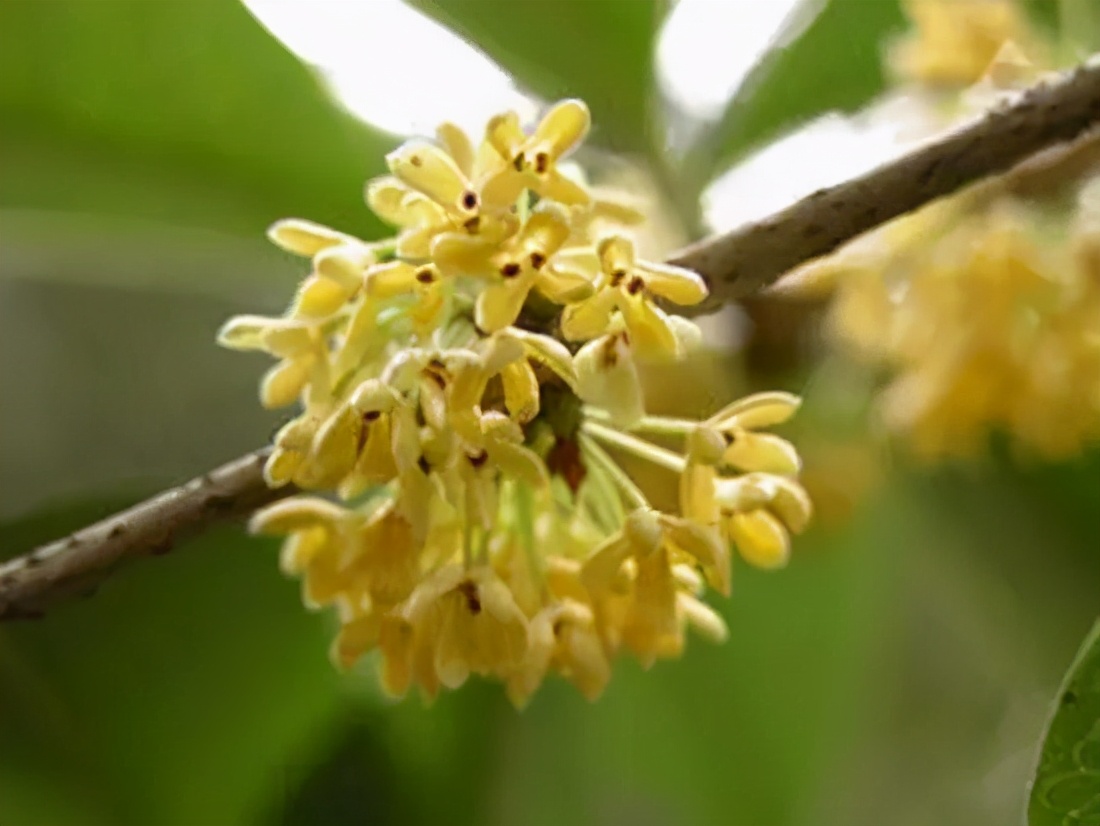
(953, 42)
(460, 385)
(985, 307)
(994, 326)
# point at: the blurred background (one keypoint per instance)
(899, 671)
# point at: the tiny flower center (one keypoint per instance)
(635, 286)
(473, 601)
(425, 275)
(469, 200)
(510, 270)
(537, 260)
(617, 277)
(542, 163)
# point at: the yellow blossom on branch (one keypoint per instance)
(464, 515)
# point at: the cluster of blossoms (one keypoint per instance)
(460, 386)
(985, 307)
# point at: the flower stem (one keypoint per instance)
(662, 425)
(630, 491)
(639, 447)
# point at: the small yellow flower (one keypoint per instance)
(531, 161)
(514, 267)
(564, 638)
(299, 345)
(607, 377)
(484, 528)
(475, 623)
(628, 285)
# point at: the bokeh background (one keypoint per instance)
(899, 671)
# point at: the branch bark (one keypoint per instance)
(754, 256)
(734, 264)
(74, 565)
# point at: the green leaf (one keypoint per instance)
(1066, 791)
(835, 63)
(598, 50)
(742, 733)
(188, 113)
(185, 691)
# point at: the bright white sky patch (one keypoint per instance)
(822, 153)
(708, 46)
(392, 66)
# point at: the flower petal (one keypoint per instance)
(588, 318)
(499, 305)
(428, 169)
(607, 377)
(305, 237)
(457, 144)
(298, 513)
(761, 539)
(392, 279)
(546, 230)
(502, 188)
(549, 351)
(616, 254)
(564, 287)
(283, 382)
(458, 254)
(504, 134)
(651, 335)
(697, 494)
(705, 545)
(319, 298)
(762, 452)
(757, 411)
(345, 264)
(562, 128)
(521, 391)
(561, 188)
(787, 499)
(702, 618)
(676, 284)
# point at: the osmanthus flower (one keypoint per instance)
(339, 262)
(298, 344)
(464, 515)
(953, 43)
(514, 267)
(996, 330)
(531, 161)
(628, 285)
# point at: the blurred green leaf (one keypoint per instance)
(598, 50)
(189, 113)
(834, 63)
(1066, 791)
(184, 692)
(745, 733)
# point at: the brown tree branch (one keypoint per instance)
(754, 256)
(74, 565)
(734, 265)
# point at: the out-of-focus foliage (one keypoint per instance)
(897, 673)
(1067, 784)
(190, 691)
(601, 51)
(182, 112)
(829, 58)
